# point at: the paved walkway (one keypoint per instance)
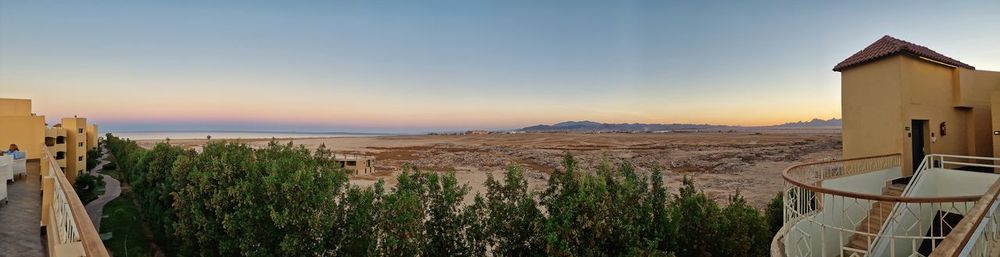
(20, 219)
(112, 189)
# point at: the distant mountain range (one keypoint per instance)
(590, 126)
(813, 123)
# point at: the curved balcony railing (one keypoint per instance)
(69, 230)
(860, 207)
(979, 233)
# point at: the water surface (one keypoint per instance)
(145, 135)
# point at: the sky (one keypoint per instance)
(414, 66)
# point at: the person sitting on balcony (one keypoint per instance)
(15, 152)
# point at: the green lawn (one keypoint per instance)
(122, 221)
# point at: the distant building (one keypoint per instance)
(55, 140)
(356, 164)
(68, 141)
(477, 132)
(76, 146)
(92, 135)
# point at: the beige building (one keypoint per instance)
(21, 127)
(55, 140)
(899, 97)
(68, 141)
(76, 146)
(92, 134)
(920, 159)
(356, 164)
(66, 229)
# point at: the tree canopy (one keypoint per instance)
(283, 200)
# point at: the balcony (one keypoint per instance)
(57, 211)
(865, 207)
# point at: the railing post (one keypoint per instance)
(48, 183)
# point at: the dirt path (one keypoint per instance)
(112, 189)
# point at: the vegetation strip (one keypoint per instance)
(284, 200)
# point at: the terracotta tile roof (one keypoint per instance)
(888, 46)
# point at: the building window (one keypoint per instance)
(80, 144)
(60, 140)
(79, 130)
(79, 158)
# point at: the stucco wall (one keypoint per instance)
(92, 134)
(881, 98)
(928, 88)
(28, 132)
(76, 155)
(871, 107)
(15, 107)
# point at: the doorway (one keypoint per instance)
(918, 150)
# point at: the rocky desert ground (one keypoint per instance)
(720, 163)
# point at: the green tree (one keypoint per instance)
(514, 223)
(275, 201)
(662, 229)
(775, 214)
(743, 231)
(154, 184)
(357, 216)
(697, 219)
(285, 200)
(401, 227)
(446, 224)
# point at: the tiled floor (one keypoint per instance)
(20, 234)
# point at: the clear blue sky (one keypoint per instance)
(432, 65)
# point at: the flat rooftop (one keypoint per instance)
(20, 219)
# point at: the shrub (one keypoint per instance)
(86, 187)
(285, 200)
(92, 156)
(775, 214)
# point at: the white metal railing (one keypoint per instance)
(930, 161)
(66, 226)
(70, 231)
(985, 239)
(943, 161)
(824, 218)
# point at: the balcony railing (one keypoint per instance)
(854, 207)
(979, 233)
(69, 231)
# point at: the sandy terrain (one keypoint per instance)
(721, 163)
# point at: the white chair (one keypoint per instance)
(6, 173)
(3, 193)
(6, 168)
(21, 167)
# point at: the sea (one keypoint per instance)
(147, 135)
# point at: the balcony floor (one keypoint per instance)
(20, 234)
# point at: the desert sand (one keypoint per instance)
(720, 163)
